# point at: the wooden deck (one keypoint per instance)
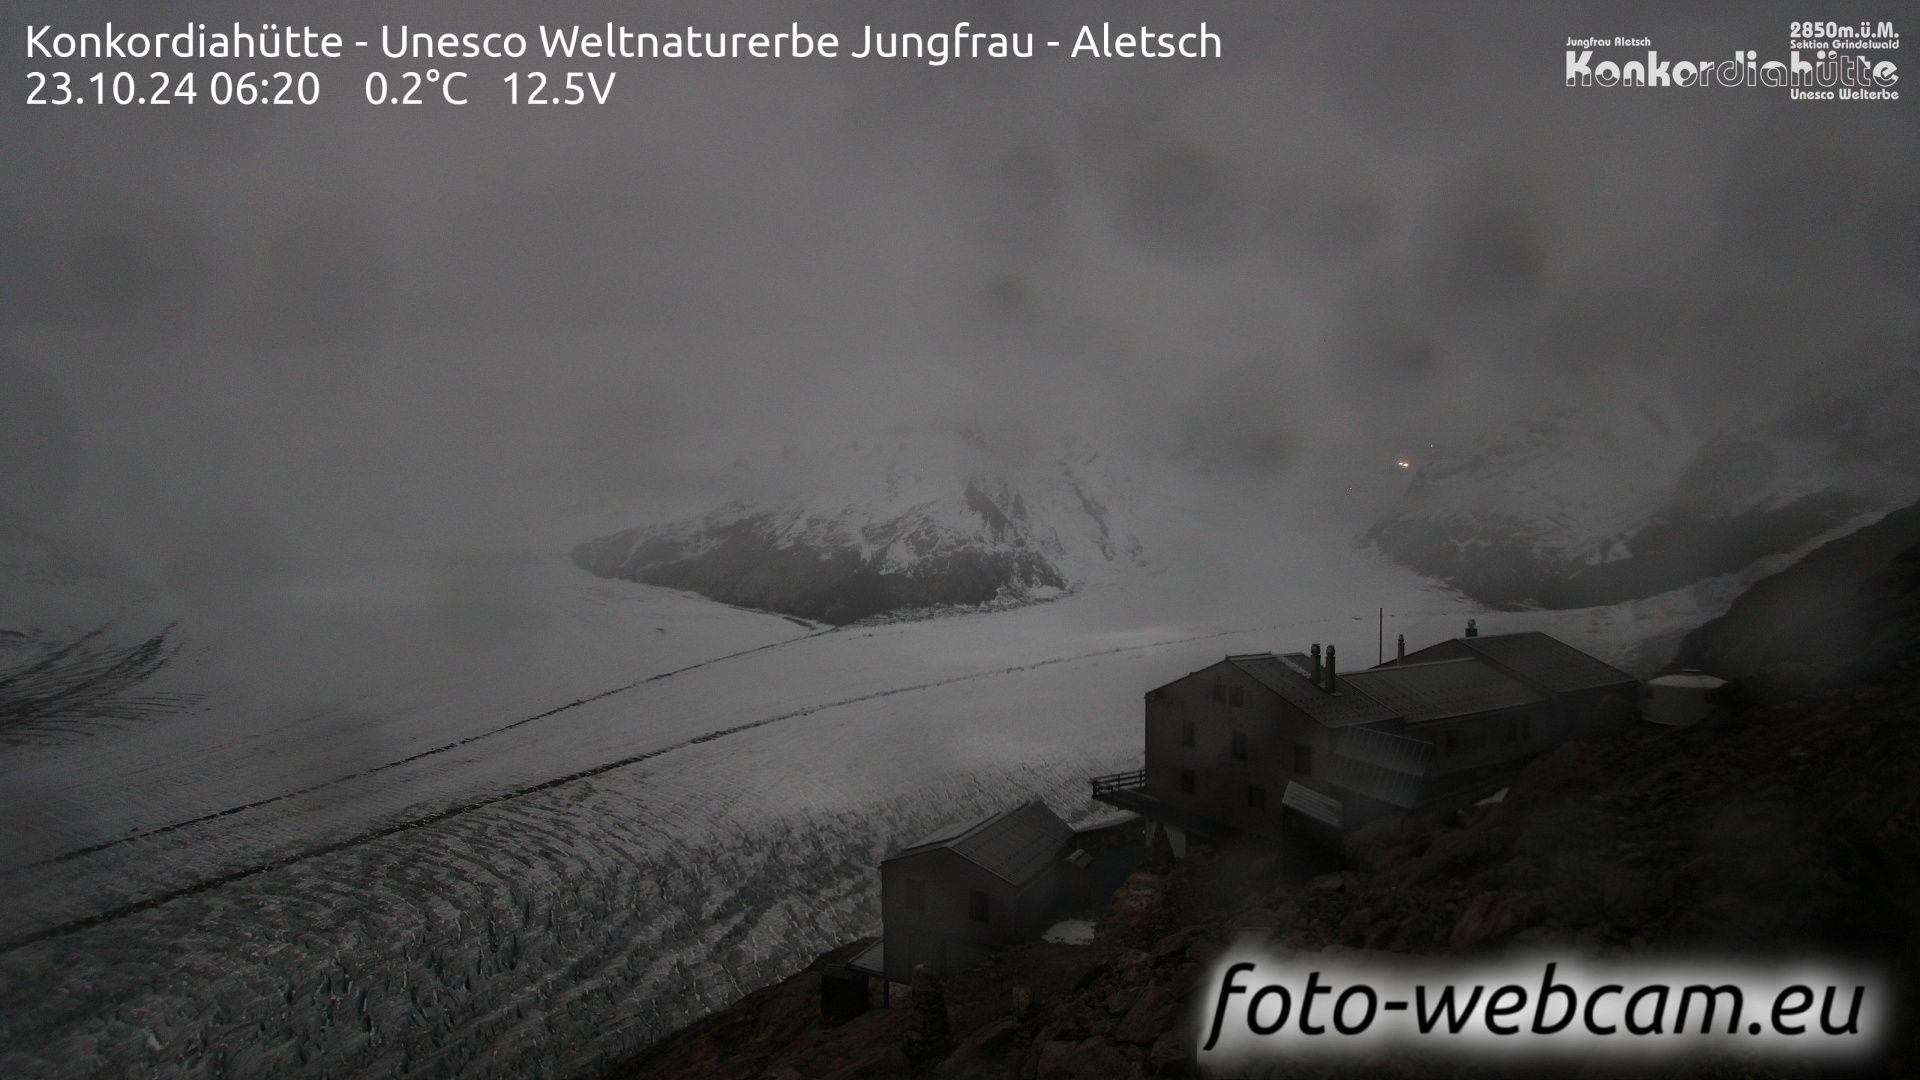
(1128, 791)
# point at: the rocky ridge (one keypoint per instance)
(1785, 831)
(1594, 505)
(1787, 828)
(910, 525)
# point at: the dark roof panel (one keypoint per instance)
(1287, 676)
(1443, 688)
(1014, 845)
(1547, 661)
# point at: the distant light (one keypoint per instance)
(1404, 464)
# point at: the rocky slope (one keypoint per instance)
(1589, 506)
(1846, 611)
(914, 522)
(1787, 830)
(1784, 832)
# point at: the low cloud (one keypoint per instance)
(309, 333)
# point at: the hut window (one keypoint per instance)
(916, 895)
(1219, 693)
(1450, 742)
(979, 905)
(1256, 798)
(1239, 746)
(1302, 759)
(1236, 695)
(1186, 733)
(1186, 781)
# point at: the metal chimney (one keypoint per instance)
(1315, 654)
(1400, 648)
(1331, 685)
(1472, 629)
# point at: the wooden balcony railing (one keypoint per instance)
(1125, 781)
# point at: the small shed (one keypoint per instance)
(1686, 697)
(843, 993)
(953, 897)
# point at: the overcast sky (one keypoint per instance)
(241, 340)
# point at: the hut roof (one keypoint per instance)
(1538, 659)
(1443, 688)
(1014, 845)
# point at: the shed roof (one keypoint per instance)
(1014, 845)
(871, 960)
(1689, 680)
(1314, 804)
(1442, 688)
(1287, 676)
